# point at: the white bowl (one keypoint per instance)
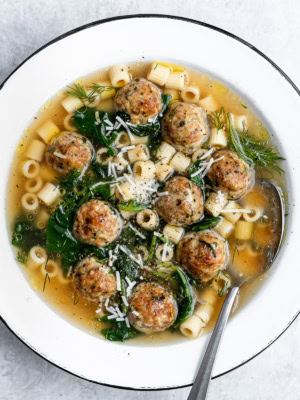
(230, 60)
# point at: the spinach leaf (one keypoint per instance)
(126, 267)
(118, 332)
(151, 128)
(198, 179)
(25, 235)
(206, 223)
(85, 121)
(185, 296)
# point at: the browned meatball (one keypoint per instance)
(230, 174)
(185, 127)
(202, 254)
(183, 205)
(93, 280)
(152, 308)
(70, 151)
(140, 99)
(96, 223)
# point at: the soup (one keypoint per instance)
(130, 198)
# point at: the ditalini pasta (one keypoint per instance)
(132, 197)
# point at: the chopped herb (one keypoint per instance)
(253, 152)
(218, 119)
(155, 66)
(244, 105)
(45, 281)
(198, 179)
(76, 299)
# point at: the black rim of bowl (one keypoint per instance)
(215, 28)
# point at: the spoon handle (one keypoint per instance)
(200, 388)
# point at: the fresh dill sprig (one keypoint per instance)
(21, 257)
(218, 119)
(253, 152)
(226, 285)
(88, 94)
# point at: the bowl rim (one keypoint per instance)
(159, 16)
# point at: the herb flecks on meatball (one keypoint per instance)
(230, 174)
(152, 308)
(202, 254)
(183, 205)
(93, 280)
(185, 127)
(140, 99)
(70, 151)
(96, 223)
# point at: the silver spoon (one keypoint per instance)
(201, 385)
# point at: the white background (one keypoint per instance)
(270, 25)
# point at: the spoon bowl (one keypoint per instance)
(277, 216)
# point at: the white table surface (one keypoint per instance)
(270, 25)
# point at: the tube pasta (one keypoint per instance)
(139, 139)
(176, 80)
(61, 278)
(164, 252)
(190, 94)
(125, 191)
(119, 75)
(224, 228)
(128, 214)
(144, 170)
(163, 171)
(143, 251)
(108, 93)
(37, 256)
(42, 219)
(192, 327)
(30, 202)
(158, 74)
(173, 233)
(256, 213)
(30, 168)
(122, 140)
(244, 230)
(68, 122)
(180, 162)
(33, 185)
(172, 67)
(208, 104)
(102, 157)
(218, 138)
(220, 280)
(240, 122)
(172, 92)
(48, 194)
(165, 152)
(199, 153)
(36, 150)
(71, 103)
(234, 216)
(120, 162)
(51, 268)
(47, 131)
(147, 219)
(139, 153)
(215, 203)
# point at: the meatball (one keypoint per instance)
(151, 308)
(202, 254)
(93, 280)
(70, 151)
(230, 174)
(140, 99)
(96, 223)
(185, 127)
(183, 205)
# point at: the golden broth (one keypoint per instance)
(61, 296)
